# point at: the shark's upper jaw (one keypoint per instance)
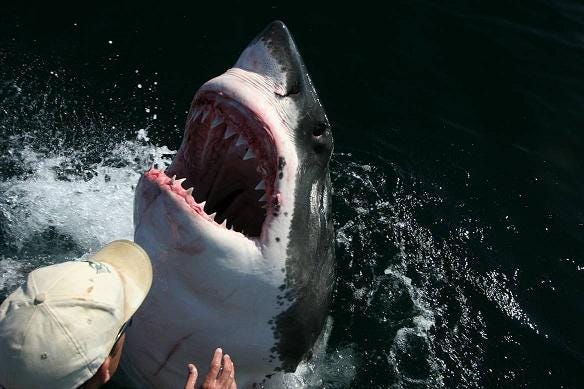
(229, 158)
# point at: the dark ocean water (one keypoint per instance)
(457, 168)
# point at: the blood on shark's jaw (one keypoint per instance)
(229, 159)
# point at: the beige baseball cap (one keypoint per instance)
(58, 328)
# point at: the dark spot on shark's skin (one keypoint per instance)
(281, 163)
(285, 213)
(281, 175)
(277, 239)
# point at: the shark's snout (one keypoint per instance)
(273, 54)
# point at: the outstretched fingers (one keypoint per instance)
(228, 373)
(221, 372)
(214, 368)
(192, 377)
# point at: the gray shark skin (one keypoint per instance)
(239, 226)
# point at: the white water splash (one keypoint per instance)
(89, 210)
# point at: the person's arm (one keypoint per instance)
(219, 377)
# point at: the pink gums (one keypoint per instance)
(166, 183)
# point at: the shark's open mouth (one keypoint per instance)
(229, 158)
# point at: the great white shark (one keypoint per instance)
(239, 226)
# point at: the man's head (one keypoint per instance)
(64, 326)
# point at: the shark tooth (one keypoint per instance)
(229, 132)
(261, 185)
(190, 191)
(202, 205)
(181, 180)
(216, 121)
(224, 224)
(264, 198)
(249, 155)
(241, 141)
(212, 216)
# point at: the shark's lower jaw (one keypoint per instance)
(229, 159)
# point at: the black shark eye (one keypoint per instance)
(321, 144)
(319, 129)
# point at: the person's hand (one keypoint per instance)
(218, 377)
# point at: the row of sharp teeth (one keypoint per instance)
(241, 141)
(229, 131)
(260, 186)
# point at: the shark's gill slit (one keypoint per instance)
(229, 159)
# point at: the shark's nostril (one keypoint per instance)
(293, 89)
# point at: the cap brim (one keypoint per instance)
(134, 267)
